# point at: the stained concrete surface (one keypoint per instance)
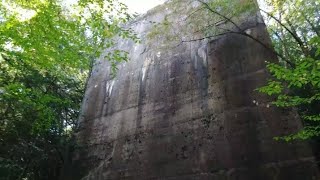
(187, 112)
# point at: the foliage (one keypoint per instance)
(295, 28)
(38, 111)
(46, 53)
(194, 20)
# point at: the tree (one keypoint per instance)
(46, 52)
(294, 28)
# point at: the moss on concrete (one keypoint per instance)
(187, 20)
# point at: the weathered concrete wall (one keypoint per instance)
(187, 111)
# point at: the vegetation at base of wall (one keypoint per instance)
(46, 53)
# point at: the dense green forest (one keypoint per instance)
(47, 49)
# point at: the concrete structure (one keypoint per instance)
(187, 110)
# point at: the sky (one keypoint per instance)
(141, 6)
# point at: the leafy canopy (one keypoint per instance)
(46, 52)
(295, 31)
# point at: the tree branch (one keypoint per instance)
(219, 14)
(191, 14)
(294, 35)
(249, 36)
